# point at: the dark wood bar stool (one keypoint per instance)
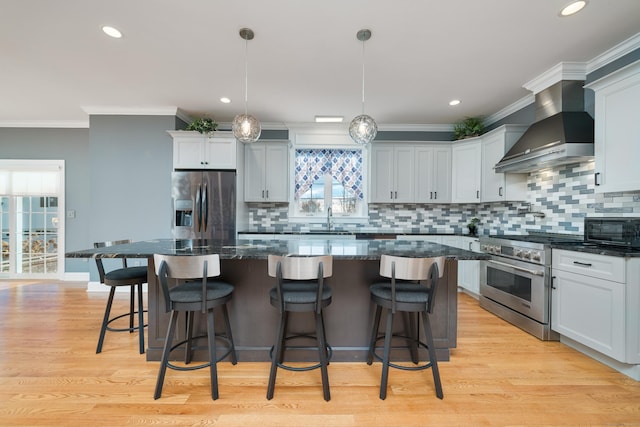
(133, 277)
(196, 291)
(300, 287)
(412, 290)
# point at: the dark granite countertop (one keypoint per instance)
(260, 249)
(598, 249)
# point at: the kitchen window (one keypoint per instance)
(328, 178)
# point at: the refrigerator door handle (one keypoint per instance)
(205, 206)
(199, 208)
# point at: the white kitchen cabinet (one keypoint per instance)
(617, 134)
(392, 174)
(588, 301)
(266, 172)
(193, 150)
(499, 187)
(469, 270)
(466, 171)
(433, 174)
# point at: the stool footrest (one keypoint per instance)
(301, 368)
(132, 329)
(426, 365)
(223, 338)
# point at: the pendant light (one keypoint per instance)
(363, 129)
(245, 127)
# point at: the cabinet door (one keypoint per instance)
(493, 184)
(254, 172)
(442, 174)
(277, 172)
(188, 153)
(424, 175)
(589, 311)
(469, 270)
(219, 153)
(466, 172)
(404, 175)
(382, 174)
(617, 134)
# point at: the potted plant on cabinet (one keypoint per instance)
(468, 128)
(203, 125)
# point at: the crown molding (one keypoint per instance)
(559, 72)
(130, 111)
(69, 124)
(510, 109)
(616, 52)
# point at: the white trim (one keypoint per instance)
(616, 76)
(616, 52)
(77, 276)
(129, 111)
(417, 128)
(516, 106)
(71, 124)
(99, 287)
(559, 72)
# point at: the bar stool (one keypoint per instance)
(196, 292)
(133, 277)
(300, 287)
(412, 290)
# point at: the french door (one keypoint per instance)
(31, 218)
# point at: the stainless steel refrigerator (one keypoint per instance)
(204, 205)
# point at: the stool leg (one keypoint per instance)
(141, 318)
(326, 346)
(132, 307)
(374, 334)
(276, 356)
(432, 355)
(385, 358)
(165, 354)
(322, 351)
(225, 312)
(189, 331)
(105, 320)
(413, 334)
(213, 368)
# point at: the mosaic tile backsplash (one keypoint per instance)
(559, 199)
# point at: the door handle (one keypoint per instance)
(477, 194)
(553, 280)
(205, 207)
(583, 264)
(199, 208)
(435, 195)
(267, 194)
(523, 270)
(500, 191)
(595, 178)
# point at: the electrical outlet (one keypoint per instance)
(71, 213)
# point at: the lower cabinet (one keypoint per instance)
(589, 303)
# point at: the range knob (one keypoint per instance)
(517, 253)
(526, 255)
(536, 256)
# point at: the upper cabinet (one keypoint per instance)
(392, 174)
(266, 172)
(433, 174)
(500, 187)
(193, 150)
(466, 171)
(617, 134)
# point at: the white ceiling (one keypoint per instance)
(305, 60)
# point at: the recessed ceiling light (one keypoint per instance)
(573, 7)
(329, 119)
(111, 32)
(454, 102)
(225, 100)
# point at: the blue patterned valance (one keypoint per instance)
(345, 166)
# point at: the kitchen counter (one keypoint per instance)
(254, 321)
(598, 249)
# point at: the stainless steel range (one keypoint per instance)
(515, 284)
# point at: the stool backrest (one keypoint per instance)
(409, 268)
(425, 271)
(99, 262)
(186, 267)
(301, 267)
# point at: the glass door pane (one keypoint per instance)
(37, 235)
(4, 229)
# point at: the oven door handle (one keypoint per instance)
(524, 270)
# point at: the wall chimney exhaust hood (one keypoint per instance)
(562, 133)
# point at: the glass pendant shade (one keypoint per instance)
(363, 129)
(246, 128)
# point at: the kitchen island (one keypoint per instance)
(253, 319)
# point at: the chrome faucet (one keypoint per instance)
(329, 215)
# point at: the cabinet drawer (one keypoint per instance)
(592, 265)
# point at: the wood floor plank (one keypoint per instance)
(498, 375)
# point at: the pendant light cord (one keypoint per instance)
(246, 73)
(363, 76)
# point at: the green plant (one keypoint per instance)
(473, 225)
(203, 125)
(469, 127)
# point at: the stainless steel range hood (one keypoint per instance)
(562, 133)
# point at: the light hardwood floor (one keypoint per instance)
(498, 375)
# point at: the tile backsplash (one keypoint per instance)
(558, 201)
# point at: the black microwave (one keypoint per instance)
(612, 231)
